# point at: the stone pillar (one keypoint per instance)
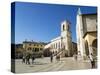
(90, 49)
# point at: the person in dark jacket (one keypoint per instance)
(33, 58)
(23, 59)
(92, 60)
(28, 59)
(51, 57)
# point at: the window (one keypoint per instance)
(29, 48)
(36, 49)
(59, 45)
(40, 48)
(30, 44)
(56, 45)
(63, 27)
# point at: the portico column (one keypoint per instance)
(90, 49)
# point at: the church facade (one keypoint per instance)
(63, 43)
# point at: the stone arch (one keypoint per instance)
(86, 48)
(94, 47)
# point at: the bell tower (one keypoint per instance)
(65, 28)
(66, 37)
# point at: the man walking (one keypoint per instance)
(75, 56)
(51, 57)
(92, 60)
(33, 58)
(23, 59)
(28, 59)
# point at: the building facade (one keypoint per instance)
(35, 48)
(63, 43)
(86, 29)
(18, 51)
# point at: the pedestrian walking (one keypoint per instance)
(75, 56)
(92, 60)
(33, 58)
(28, 59)
(51, 57)
(23, 59)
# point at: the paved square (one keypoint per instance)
(44, 65)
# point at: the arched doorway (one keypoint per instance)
(86, 48)
(94, 47)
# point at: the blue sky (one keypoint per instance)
(41, 22)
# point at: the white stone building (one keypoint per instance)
(62, 43)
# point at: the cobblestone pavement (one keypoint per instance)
(44, 65)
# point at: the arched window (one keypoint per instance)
(63, 27)
(56, 45)
(59, 45)
(94, 47)
(29, 48)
